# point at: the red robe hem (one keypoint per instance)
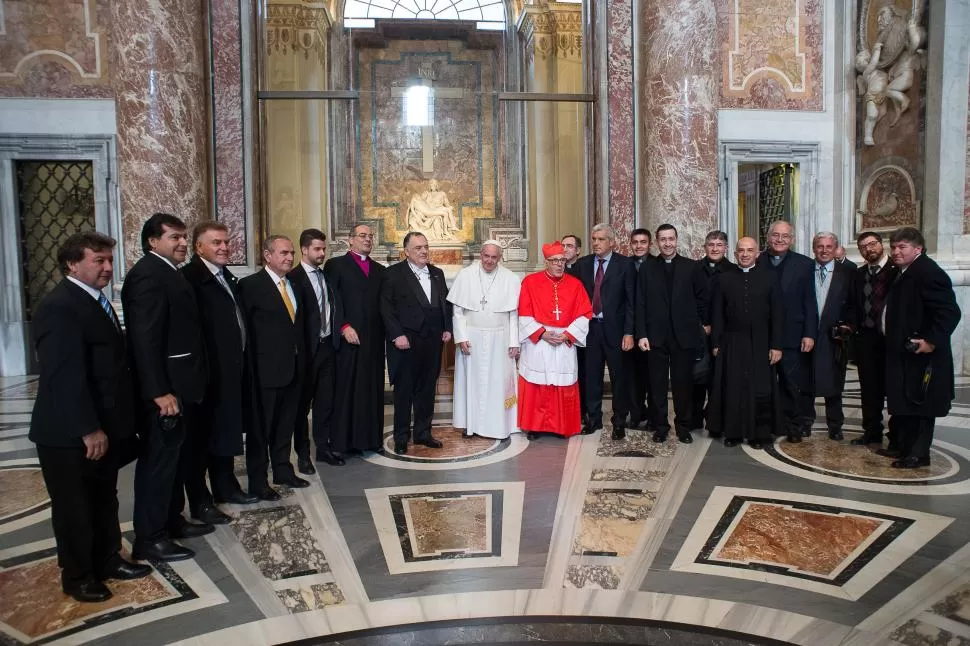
(549, 409)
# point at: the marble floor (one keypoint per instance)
(582, 541)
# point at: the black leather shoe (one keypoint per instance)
(238, 497)
(807, 432)
(429, 442)
(910, 462)
(794, 438)
(162, 550)
(864, 440)
(589, 429)
(685, 438)
(836, 435)
(532, 435)
(619, 433)
(400, 449)
(305, 466)
(889, 452)
(757, 446)
(291, 480)
(331, 458)
(212, 515)
(89, 592)
(659, 437)
(266, 493)
(731, 442)
(123, 570)
(187, 529)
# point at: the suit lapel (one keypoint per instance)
(98, 315)
(415, 284)
(275, 291)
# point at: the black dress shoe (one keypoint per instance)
(186, 529)
(659, 437)
(305, 466)
(589, 429)
(400, 449)
(266, 493)
(532, 435)
(619, 433)
(429, 442)
(238, 497)
(211, 514)
(685, 438)
(331, 458)
(864, 440)
(291, 480)
(89, 592)
(124, 570)
(807, 432)
(161, 550)
(889, 452)
(794, 438)
(731, 442)
(910, 462)
(836, 435)
(757, 446)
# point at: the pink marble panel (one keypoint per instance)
(160, 85)
(771, 54)
(678, 103)
(227, 114)
(621, 164)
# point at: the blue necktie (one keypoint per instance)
(106, 306)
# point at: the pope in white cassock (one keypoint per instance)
(486, 329)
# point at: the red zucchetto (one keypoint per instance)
(553, 249)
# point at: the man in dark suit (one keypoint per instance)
(356, 280)
(573, 249)
(641, 404)
(83, 420)
(226, 412)
(274, 318)
(840, 258)
(832, 285)
(417, 320)
(671, 310)
(321, 310)
(869, 290)
(165, 341)
(801, 327)
(609, 279)
(920, 316)
(711, 267)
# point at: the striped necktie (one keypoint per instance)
(106, 306)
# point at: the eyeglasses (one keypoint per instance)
(780, 236)
(365, 236)
(556, 261)
(871, 245)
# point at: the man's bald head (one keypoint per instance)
(746, 252)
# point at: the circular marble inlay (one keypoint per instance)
(841, 459)
(23, 488)
(458, 450)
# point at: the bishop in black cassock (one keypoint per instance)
(747, 322)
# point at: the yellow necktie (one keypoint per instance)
(287, 301)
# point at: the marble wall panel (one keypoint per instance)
(227, 117)
(771, 54)
(160, 84)
(678, 125)
(966, 184)
(621, 171)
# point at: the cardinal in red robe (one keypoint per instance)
(554, 313)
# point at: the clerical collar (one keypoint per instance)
(669, 260)
(780, 256)
(747, 269)
(362, 257)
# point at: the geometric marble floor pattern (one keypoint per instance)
(588, 540)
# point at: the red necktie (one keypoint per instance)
(597, 285)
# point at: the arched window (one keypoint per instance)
(491, 11)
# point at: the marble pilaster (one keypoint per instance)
(678, 118)
(621, 170)
(160, 88)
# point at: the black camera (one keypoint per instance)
(840, 332)
(169, 422)
(912, 346)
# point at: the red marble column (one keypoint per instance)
(621, 162)
(678, 118)
(159, 79)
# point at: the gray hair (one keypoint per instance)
(607, 229)
(825, 234)
(777, 222)
(268, 242)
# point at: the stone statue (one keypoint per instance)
(430, 213)
(888, 69)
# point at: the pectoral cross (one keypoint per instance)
(557, 311)
(428, 74)
(484, 300)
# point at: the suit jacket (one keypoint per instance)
(228, 392)
(616, 293)
(360, 298)
(848, 264)
(85, 382)
(275, 341)
(164, 331)
(657, 318)
(407, 311)
(829, 357)
(921, 304)
(798, 296)
(311, 319)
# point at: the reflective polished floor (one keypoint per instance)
(582, 541)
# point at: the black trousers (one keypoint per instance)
(318, 390)
(600, 355)
(641, 403)
(871, 361)
(271, 441)
(156, 474)
(795, 389)
(915, 434)
(84, 511)
(700, 395)
(672, 366)
(195, 460)
(834, 416)
(414, 387)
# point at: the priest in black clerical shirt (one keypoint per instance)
(746, 331)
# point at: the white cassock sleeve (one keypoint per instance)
(459, 325)
(579, 329)
(514, 329)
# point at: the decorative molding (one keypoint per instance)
(296, 28)
(552, 27)
(26, 30)
(740, 77)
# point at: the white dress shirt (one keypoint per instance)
(423, 275)
(323, 302)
